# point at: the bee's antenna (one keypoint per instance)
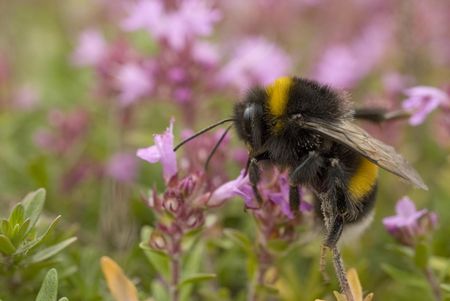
(211, 154)
(202, 132)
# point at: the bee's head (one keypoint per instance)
(249, 118)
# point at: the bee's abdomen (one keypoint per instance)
(363, 179)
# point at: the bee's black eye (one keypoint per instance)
(248, 117)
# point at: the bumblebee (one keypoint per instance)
(308, 128)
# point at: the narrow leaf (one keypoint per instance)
(159, 260)
(239, 239)
(21, 233)
(196, 278)
(51, 251)
(121, 288)
(17, 215)
(38, 241)
(5, 227)
(49, 288)
(33, 204)
(6, 246)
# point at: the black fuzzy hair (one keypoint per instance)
(312, 99)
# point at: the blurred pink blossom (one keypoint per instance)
(205, 54)
(26, 97)
(133, 82)
(409, 223)
(162, 151)
(91, 49)
(122, 167)
(343, 65)
(238, 186)
(177, 26)
(256, 61)
(422, 100)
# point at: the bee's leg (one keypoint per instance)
(294, 200)
(340, 271)
(254, 177)
(323, 263)
(334, 224)
(378, 115)
(306, 170)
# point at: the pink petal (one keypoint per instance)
(150, 154)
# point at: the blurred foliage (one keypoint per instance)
(109, 217)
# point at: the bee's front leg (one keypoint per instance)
(304, 173)
(254, 175)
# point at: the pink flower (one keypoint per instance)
(281, 198)
(162, 152)
(256, 61)
(409, 223)
(344, 65)
(91, 49)
(190, 19)
(238, 186)
(122, 167)
(421, 101)
(133, 82)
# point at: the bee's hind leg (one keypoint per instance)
(334, 224)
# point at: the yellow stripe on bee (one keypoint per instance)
(278, 93)
(363, 180)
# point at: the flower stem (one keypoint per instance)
(174, 292)
(433, 282)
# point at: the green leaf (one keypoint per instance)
(21, 233)
(38, 241)
(49, 288)
(17, 215)
(196, 278)
(267, 290)
(159, 260)
(404, 276)
(6, 246)
(51, 251)
(239, 239)
(445, 287)
(159, 292)
(191, 265)
(33, 204)
(5, 227)
(422, 255)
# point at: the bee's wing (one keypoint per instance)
(351, 135)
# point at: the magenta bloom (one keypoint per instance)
(122, 167)
(281, 198)
(421, 101)
(133, 81)
(162, 152)
(91, 50)
(177, 26)
(256, 61)
(409, 223)
(343, 65)
(236, 187)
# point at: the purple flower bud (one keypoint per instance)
(172, 204)
(188, 185)
(409, 224)
(162, 152)
(157, 240)
(422, 100)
